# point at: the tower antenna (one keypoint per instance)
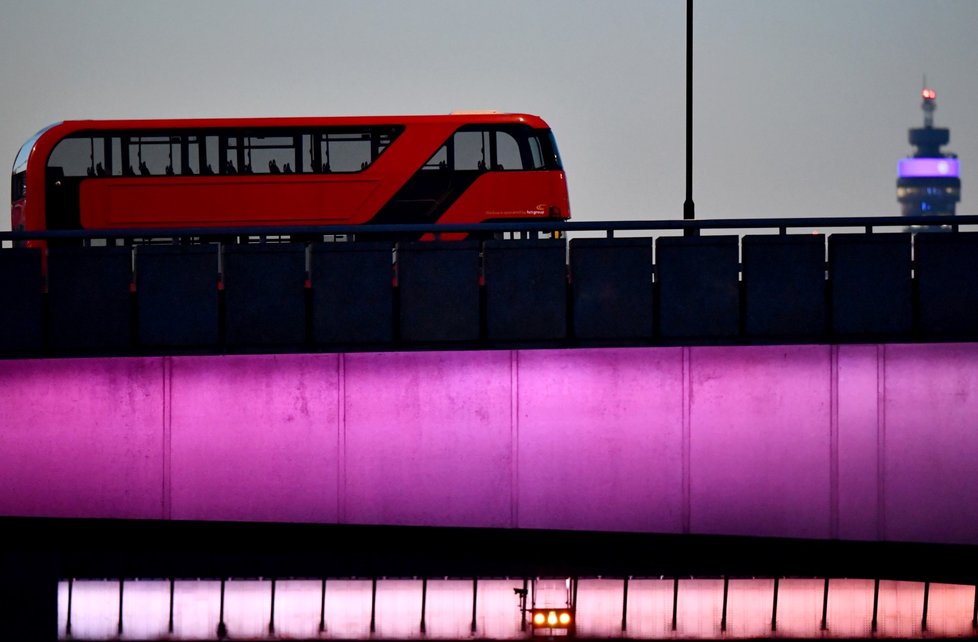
(929, 103)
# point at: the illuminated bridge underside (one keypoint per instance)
(864, 442)
(453, 609)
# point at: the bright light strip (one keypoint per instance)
(95, 609)
(928, 168)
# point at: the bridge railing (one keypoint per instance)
(868, 224)
(547, 284)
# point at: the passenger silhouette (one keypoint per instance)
(99, 170)
(273, 167)
(229, 168)
(144, 169)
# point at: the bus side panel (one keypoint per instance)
(511, 195)
(224, 201)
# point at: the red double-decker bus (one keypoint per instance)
(213, 173)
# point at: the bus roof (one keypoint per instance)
(61, 129)
(459, 118)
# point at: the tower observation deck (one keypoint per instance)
(928, 183)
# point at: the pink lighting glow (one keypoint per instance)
(749, 608)
(145, 612)
(928, 168)
(872, 442)
(448, 612)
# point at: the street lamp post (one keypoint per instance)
(689, 210)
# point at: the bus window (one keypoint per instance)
(73, 157)
(271, 154)
(79, 156)
(490, 148)
(346, 151)
(471, 150)
(382, 140)
(209, 156)
(233, 159)
(507, 152)
(536, 153)
(439, 160)
(18, 186)
(113, 163)
(309, 148)
(150, 156)
(189, 158)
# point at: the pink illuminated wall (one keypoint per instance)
(854, 442)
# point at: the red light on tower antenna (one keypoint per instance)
(929, 94)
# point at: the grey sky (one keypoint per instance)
(801, 106)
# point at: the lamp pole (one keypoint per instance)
(689, 210)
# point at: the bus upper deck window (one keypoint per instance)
(507, 152)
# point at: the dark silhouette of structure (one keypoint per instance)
(928, 183)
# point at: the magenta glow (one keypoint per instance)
(871, 442)
(928, 168)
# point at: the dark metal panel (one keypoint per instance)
(265, 300)
(526, 289)
(438, 283)
(612, 286)
(177, 296)
(21, 301)
(29, 594)
(784, 286)
(611, 281)
(89, 297)
(352, 294)
(870, 285)
(946, 267)
(699, 294)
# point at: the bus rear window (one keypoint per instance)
(20, 162)
(18, 186)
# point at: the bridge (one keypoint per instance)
(751, 413)
(199, 294)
